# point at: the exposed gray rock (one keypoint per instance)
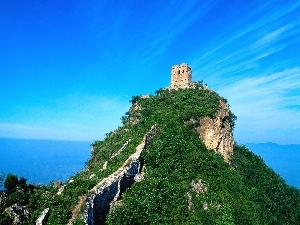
(41, 218)
(3, 195)
(60, 190)
(121, 149)
(205, 205)
(189, 201)
(104, 166)
(139, 177)
(18, 213)
(200, 188)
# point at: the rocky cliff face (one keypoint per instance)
(217, 133)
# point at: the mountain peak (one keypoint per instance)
(173, 161)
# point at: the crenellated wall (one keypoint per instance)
(108, 191)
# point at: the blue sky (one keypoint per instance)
(69, 68)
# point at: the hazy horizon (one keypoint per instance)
(42, 161)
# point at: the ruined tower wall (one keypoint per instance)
(181, 76)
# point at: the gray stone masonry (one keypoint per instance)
(110, 188)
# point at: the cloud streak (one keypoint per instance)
(270, 37)
(266, 103)
(257, 70)
(37, 132)
(75, 118)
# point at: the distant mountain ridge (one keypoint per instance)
(272, 145)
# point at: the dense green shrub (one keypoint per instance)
(10, 182)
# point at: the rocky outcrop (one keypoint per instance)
(3, 196)
(61, 189)
(111, 188)
(18, 213)
(40, 220)
(199, 188)
(121, 149)
(104, 166)
(216, 133)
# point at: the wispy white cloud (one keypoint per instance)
(270, 37)
(10, 130)
(244, 52)
(75, 118)
(266, 103)
(176, 20)
(63, 131)
(250, 36)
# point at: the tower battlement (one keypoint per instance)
(181, 76)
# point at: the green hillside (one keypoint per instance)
(183, 182)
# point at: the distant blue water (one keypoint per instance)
(283, 159)
(42, 161)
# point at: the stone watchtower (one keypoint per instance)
(181, 76)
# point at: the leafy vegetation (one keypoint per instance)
(244, 192)
(1, 180)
